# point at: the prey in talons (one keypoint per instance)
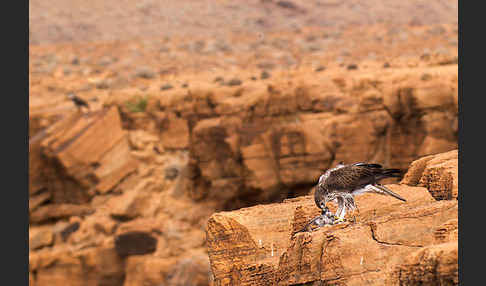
(325, 218)
(342, 183)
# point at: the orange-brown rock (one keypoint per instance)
(190, 270)
(422, 266)
(40, 238)
(52, 212)
(148, 236)
(279, 99)
(84, 154)
(390, 243)
(266, 140)
(439, 174)
(89, 266)
(36, 200)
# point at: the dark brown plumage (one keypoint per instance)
(79, 102)
(345, 181)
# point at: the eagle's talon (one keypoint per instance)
(338, 220)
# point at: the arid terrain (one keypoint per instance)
(205, 116)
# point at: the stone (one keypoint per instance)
(166, 86)
(437, 173)
(145, 72)
(41, 239)
(273, 138)
(234, 82)
(83, 154)
(191, 270)
(265, 75)
(36, 200)
(433, 265)
(91, 266)
(135, 243)
(388, 243)
(53, 212)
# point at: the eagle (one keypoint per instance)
(343, 182)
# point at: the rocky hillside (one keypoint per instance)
(121, 194)
(390, 243)
(215, 106)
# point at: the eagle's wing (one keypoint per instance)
(352, 176)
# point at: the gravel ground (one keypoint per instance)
(57, 21)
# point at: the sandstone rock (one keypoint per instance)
(81, 154)
(432, 265)
(190, 270)
(91, 266)
(37, 181)
(40, 118)
(175, 134)
(447, 232)
(256, 245)
(265, 140)
(131, 204)
(140, 139)
(58, 211)
(41, 239)
(85, 232)
(259, 142)
(147, 270)
(438, 173)
(36, 200)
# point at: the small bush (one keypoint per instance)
(138, 104)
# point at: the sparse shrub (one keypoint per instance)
(137, 104)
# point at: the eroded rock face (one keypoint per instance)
(202, 149)
(90, 266)
(262, 142)
(103, 199)
(439, 174)
(422, 266)
(391, 242)
(77, 157)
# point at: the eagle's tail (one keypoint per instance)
(385, 191)
(391, 173)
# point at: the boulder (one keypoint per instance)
(135, 243)
(81, 154)
(437, 173)
(98, 265)
(385, 242)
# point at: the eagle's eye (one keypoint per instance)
(322, 204)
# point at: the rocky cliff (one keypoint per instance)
(232, 105)
(389, 243)
(268, 140)
(121, 195)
